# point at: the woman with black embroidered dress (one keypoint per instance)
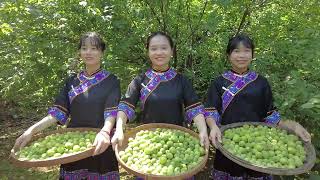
(165, 95)
(90, 98)
(241, 95)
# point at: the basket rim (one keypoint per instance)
(307, 166)
(151, 126)
(52, 161)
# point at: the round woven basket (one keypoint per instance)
(54, 160)
(308, 163)
(152, 126)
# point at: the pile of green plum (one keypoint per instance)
(265, 146)
(162, 152)
(57, 145)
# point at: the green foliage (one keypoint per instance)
(39, 42)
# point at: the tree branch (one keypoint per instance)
(243, 19)
(188, 61)
(163, 17)
(199, 21)
(153, 12)
(175, 53)
(202, 13)
(247, 12)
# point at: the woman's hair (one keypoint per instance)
(95, 40)
(236, 40)
(160, 33)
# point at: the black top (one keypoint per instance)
(235, 98)
(254, 102)
(89, 100)
(163, 96)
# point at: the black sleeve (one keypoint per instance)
(213, 99)
(213, 102)
(270, 111)
(61, 107)
(130, 99)
(192, 103)
(112, 101)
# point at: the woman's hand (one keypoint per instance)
(39, 126)
(101, 142)
(204, 140)
(117, 138)
(203, 133)
(23, 139)
(215, 135)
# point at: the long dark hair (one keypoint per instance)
(161, 34)
(236, 40)
(95, 40)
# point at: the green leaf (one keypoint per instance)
(307, 106)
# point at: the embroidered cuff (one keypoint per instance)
(193, 112)
(273, 118)
(110, 112)
(86, 174)
(212, 113)
(127, 109)
(57, 113)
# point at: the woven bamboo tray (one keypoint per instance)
(308, 164)
(153, 126)
(54, 160)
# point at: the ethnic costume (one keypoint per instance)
(89, 100)
(164, 97)
(239, 98)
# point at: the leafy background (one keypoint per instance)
(38, 42)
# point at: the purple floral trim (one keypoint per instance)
(220, 175)
(193, 112)
(155, 80)
(231, 76)
(82, 76)
(83, 87)
(126, 109)
(168, 75)
(213, 113)
(57, 113)
(190, 178)
(85, 174)
(261, 178)
(273, 118)
(110, 112)
(235, 88)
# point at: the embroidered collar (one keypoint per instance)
(95, 72)
(238, 83)
(167, 75)
(155, 79)
(86, 83)
(240, 74)
(83, 76)
(159, 71)
(233, 76)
